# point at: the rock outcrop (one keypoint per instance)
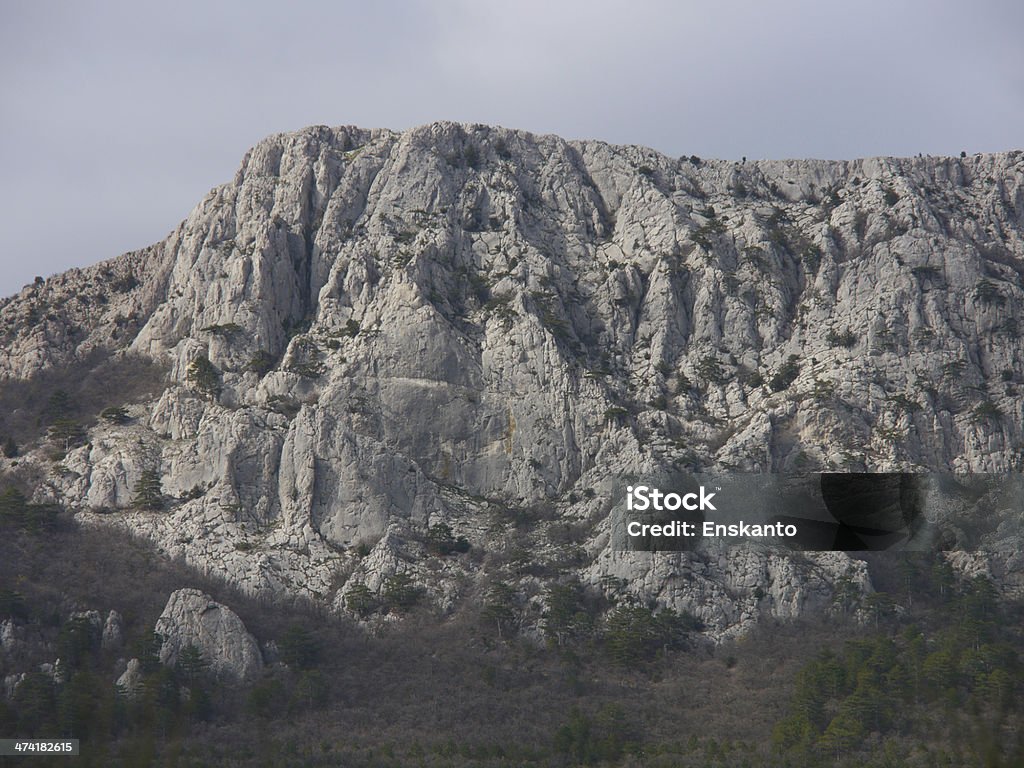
(113, 632)
(370, 333)
(130, 681)
(192, 618)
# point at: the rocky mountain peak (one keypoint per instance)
(369, 334)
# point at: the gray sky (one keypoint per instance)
(117, 117)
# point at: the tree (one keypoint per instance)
(261, 363)
(498, 610)
(843, 733)
(191, 665)
(312, 691)
(266, 698)
(880, 605)
(399, 592)
(299, 648)
(10, 448)
(441, 540)
(202, 375)
(79, 638)
(12, 605)
(148, 495)
(786, 375)
(58, 406)
(147, 650)
(361, 601)
(13, 506)
(635, 633)
(66, 433)
(35, 702)
(15, 510)
(566, 618)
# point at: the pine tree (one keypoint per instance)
(204, 376)
(361, 601)
(191, 665)
(299, 649)
(148, 495)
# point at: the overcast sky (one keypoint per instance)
(117, 117)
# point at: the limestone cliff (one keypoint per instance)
(374, 334)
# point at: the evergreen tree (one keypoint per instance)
(66, 433)
(399, 592)
(148, 495)
(299, 648)
(498, 609)
(191, 666)
(204, 376)
(361, 601)
(566, 618)
(59, 406)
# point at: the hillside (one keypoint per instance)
(429, 355)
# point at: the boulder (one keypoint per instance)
(192, 617)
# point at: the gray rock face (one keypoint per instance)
(458, 322)
(11, 683)
(9, 636)
(194, 618)
(113, 632)
(130, 681)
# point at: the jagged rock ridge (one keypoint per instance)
(370, 333)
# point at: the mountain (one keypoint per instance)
(378, 365)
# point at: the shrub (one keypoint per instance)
(615, 413)
(471, 156)
(710, 370)
(905, 403)
(846, 338)
(812, 258)
(223, 329)
(116, 414)
(749, 378)
(361, 601)
(441, 540)
(988, 292)
(12, 605)
(786, 375)
(29, 406)
(986, 411)
(261, 363)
